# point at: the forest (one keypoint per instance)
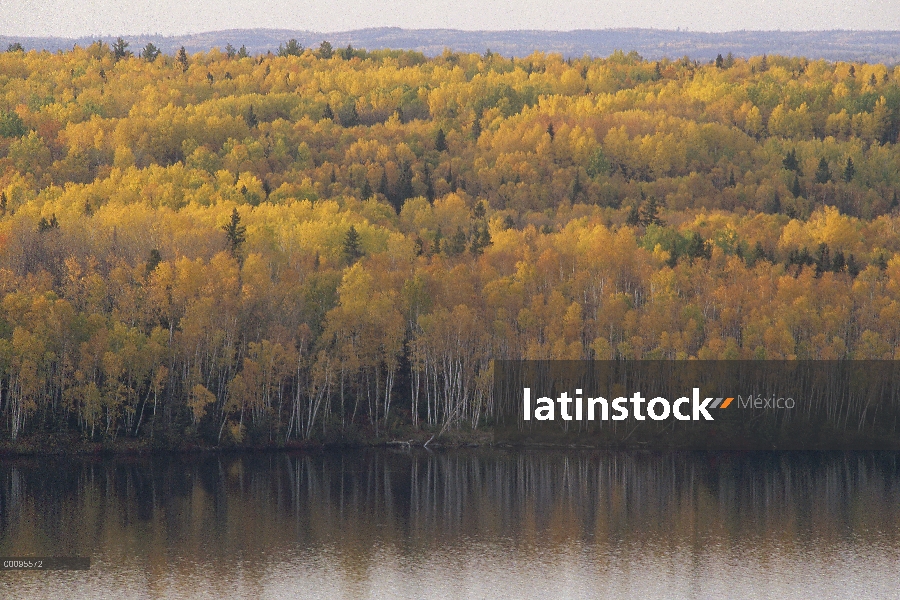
(335, 244)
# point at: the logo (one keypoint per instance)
(685, 408)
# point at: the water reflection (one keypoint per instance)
(464, 524)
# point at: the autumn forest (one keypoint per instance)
(332, 243)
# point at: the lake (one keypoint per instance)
(479, 523)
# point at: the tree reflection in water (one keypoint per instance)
(357, 523)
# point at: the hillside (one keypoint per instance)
(340, 241)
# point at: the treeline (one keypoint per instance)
(311, 245)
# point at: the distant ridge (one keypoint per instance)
(859, 46)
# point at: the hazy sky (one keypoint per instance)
(94, 17)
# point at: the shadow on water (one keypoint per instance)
(157, 524)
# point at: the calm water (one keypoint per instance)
(466, 524)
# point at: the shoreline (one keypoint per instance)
(65, 446)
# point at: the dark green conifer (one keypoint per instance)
(235, 232)
(120, 50)
(849, 170)
(440, 141)
(823, 172)
(352, 250)
(153, 261)
(182, 59)
(150, 52)
(796, 191)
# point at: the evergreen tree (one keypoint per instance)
(45, 225)
(576, 188)
(650, 214)
(250, 118)
(325, 50)
(479, 211)
(720, 62)
(790, 161)
(456, 243)
(451, 179)
(153, 261)
(822, 259)
(235, 232)
(838, 263)
(150, 52)
(697, 247)
(352, 250)
(481, 239)
(823, 173)
(796, 191)
(849, 170)
(551, 131)
(292, 48)
(328, 113)
(230, 52)
(755, 255)
(852, 266)
(182, 59)
(429, 184)
(15, 47)
(634, 216)
(404, 186)
(242, 53)
(438, 240)
(366, 191)
(120, 50)
(348, 115)
(3, 203)
(383, 184)
(440, 141)
(476, 128)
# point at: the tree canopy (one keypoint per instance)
(286, 246)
